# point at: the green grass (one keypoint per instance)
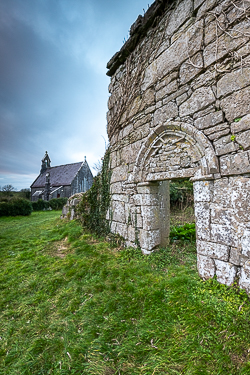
(70, 304)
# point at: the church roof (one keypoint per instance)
(60, 175)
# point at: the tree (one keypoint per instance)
(7, 189)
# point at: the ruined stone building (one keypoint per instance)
(180, 108)
(61, 181)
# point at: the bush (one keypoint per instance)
(40, 205)
(16, 207)
(57, 203)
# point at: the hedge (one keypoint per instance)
(16, 207)
(54, 204)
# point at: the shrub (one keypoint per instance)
(40, 205)
(184, 232)
(16, 207)
(57, 203)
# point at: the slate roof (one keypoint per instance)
(61, 175)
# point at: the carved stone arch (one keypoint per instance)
(175, 150)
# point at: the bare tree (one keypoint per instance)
(7, 189)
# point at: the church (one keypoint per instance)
(61, 181)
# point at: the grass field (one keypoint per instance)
(70, 304)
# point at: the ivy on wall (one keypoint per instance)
(94, 205)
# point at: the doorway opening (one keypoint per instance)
(182, 216)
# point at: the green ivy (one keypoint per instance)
(95, 203)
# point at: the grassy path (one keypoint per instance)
(69, 304)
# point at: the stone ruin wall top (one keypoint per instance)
(185, 61)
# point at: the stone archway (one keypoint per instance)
(174, 150)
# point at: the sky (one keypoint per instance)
(53, 83)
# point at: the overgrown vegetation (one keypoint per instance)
(70, 304)
(181, 194)
(94, 205)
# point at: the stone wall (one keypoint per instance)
(180, 108)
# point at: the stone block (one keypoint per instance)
(245, 243)
(203, 191)
(150, 217)
(180, 99)
(226, 272)
(166, 90)
(166, 80)
(213, 250)
(202, 220)
(240, 197)
(222, 216)
(178, 16)
(233, 81)
(224, 234)
(225, 145)
(150, 76)
(241, 125)
(206, 267)
(122, 230)
(200, 99)
(146, 199)
(218, 135)
(243, 140)
(148, 189)
(235, 164)
(116, 188)
(209, 120)
(137, 220)
(235, 256)
(161, 115)
(131, 233)
(149, 97)
(120, 198)
(113, 227)
(237, 104)
(149, 239)
(217, 129)
(222, 192)
(205, 6)
(118, 212)
(127, 130)
(119, 173)
(188, 71)
(244, 280)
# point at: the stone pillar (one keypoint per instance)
(164, 206)
(155, 210)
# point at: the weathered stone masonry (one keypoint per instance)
(180, 107)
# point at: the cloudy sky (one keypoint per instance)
(53, 83)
